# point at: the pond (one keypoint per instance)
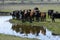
(29, 31)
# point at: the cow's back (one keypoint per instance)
(56, 15)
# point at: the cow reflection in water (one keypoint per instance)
(29, 29)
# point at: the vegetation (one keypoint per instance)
(52, 26)
(43, 8)
(5, 11)
(9, 37)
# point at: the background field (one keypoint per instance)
(42, 7)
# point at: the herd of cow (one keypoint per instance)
(34, 15)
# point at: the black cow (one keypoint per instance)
(37, 13)
(28, 15)
(23, 17)
(13, 14)
(55, 15)
(16, 14)
(50, 12)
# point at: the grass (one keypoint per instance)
(9, 37)
(6, 10)
(52, 26)
(42, 7)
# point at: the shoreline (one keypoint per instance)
(12, 37)
(49, 25)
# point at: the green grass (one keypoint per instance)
(6, 10)
(52, 26)
(9, 37)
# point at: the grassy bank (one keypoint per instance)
(52, 26)
(9, 37)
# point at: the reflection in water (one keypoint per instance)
(5, 28)
(29, 29)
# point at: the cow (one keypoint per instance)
(50, 13)
(16, 14)
(29, 15)
(32, 15)
(43, 16)
(13, 14)
(23, 16)
(54, 16)
(26, 15)
(37, 13)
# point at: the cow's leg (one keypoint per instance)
(23, 19)
(41, 18)
(18, 17)
(13, 17)
(45, 19)
(37, 19)
(53, 20)
(30, 19)
(48, 15)
(33, 19)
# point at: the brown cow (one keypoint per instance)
(43, 16)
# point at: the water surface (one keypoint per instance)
(7, 28)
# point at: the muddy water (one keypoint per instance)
(29, 31)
